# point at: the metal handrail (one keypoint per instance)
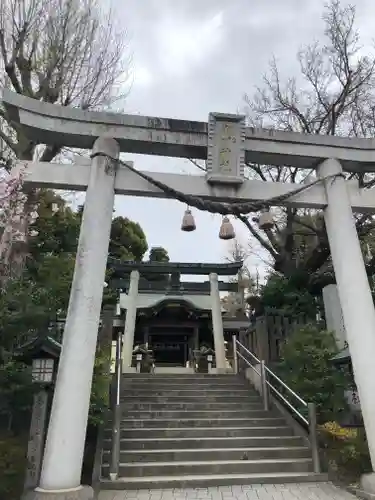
(235, 356)
(286, 386)
(287, 403)
(247, 351)
(294, 394)
(248, 363)
(265, 384)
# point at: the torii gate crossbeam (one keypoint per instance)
(76, 178)
(64, 126)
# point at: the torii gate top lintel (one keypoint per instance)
(64, 126)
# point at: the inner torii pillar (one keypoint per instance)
(217, 324)
(130, 320)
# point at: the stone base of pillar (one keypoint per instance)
(81, 493)
(368, 486)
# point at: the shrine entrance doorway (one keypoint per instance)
(169, 350)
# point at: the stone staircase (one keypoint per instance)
(201, 430)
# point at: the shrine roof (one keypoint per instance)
(166, 286)
(198, 303)
(42, 345)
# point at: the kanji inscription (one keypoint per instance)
(226, 149)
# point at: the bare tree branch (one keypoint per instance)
(333, 94)
(196, 164)
(261, 240)
(68, 52)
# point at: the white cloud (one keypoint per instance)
(184, 46)
(143, 76)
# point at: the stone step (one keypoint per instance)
(135, 406)
(205, 480)
(225, 383)
(185, 430)
(177, 443)
(188, 382)
(182, 423)
(195, 414)
(197, 432)
(212, 467)
(198, 398)
(180, 376)
(192, 386)
(210, 454)
(175, 393)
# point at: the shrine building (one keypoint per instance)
(174, 318)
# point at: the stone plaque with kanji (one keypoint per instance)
(226, 149)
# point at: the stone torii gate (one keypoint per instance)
(227, 145)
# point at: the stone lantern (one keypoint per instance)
(42, 354)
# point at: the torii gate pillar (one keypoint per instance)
(62, 465)
(355, 296)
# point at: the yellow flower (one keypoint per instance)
(340, 432)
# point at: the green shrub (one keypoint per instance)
(100, 388)
(345, 451)
(12, 466)
(307, 368)
(16, 395)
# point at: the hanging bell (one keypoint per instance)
(265, 220)
(188, 222)
(226, 229)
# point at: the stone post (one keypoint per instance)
(146, 335)
(106, 332)
(36, 439)
(217, 324)
(196, 338)
(104, 344)
(62, 465)
(262, 339)
(131, 316)
(333, 314)
(355, 296)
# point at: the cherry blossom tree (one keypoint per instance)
(12, 221)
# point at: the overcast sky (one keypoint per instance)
(192, 57)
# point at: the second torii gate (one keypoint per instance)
(226, 144)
